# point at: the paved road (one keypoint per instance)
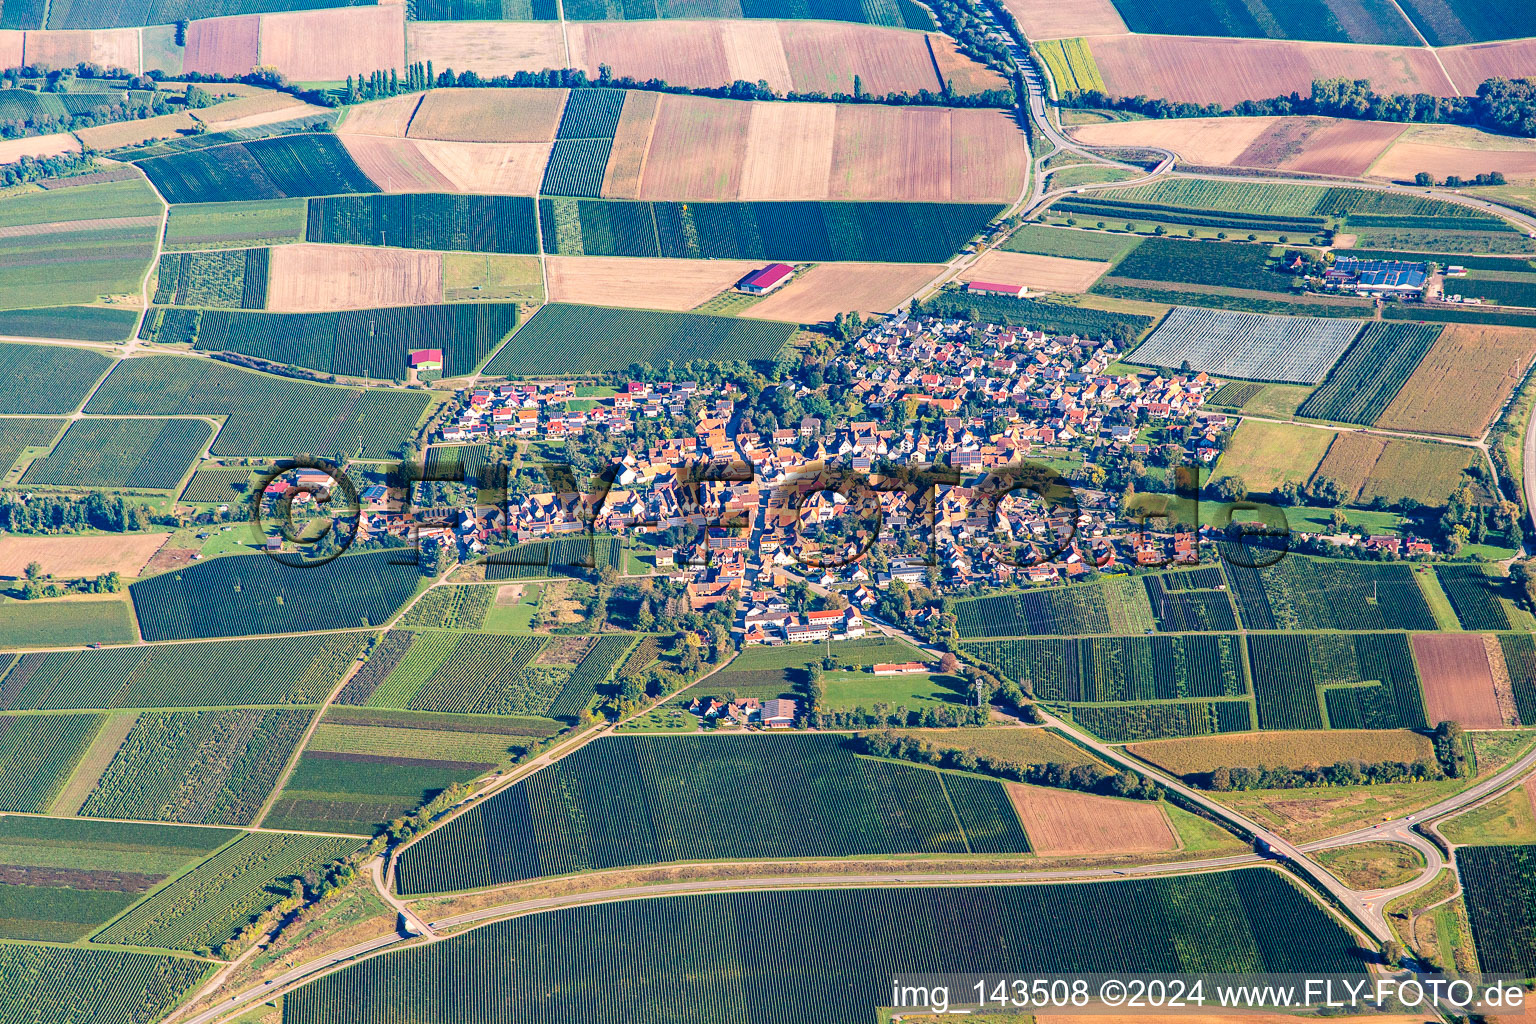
(299, 973)
(896, 878)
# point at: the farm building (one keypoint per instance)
(1013, 291)
(427, 359)
(761, 282)
(778, 713)
(1377, 277)
(903, 668)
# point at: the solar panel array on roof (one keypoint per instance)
(1383, 273)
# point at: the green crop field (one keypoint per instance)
(488, 10)
(1475, 596)
(57, 250)
(767, 672)
(66, 623)
(62, 878)
(612, 339)
(427, 221)
(1520, 658)
(652, 799)
(1131, 668)
(131, 453)
(274, 670)
(795, 231)
(360, 793)
(215, 486)
(1116, 211)
(254, 594)
(359, 343)
(1371, 372)
(61, 985)
(1313, 593)
(1454, 22)
(1071, 244)
(1372, 21)
(208, 767)
(223, 225)
(1500, 886)
(576, 168)
(76, 323)
(1054, 611)
(1500, 289)
(209, 905)
(450, 608)
(285, 167)
(1044, 316)
(1224, 264)
(47, 379)
(1128, 723)
(223, 278)
(37, 754)
(591, 114)
(1291, 672)
(801, 957)
(267, 415)
(1184, 609)
(563, 556)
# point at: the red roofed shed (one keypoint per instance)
(761, 282)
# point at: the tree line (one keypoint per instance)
(42, 513)
(1500, 105)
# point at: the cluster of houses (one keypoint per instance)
(545, 410)
(769, 619)
(778, 713)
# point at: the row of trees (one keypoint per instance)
(1501, 104)
(44, 513)
(1343, 773)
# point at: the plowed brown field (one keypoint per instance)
(329, 45)
(317, 278)
(223, 46)
(777, 130)
(396, 165)
(819, 294)
(1462, 381)
(1060, 19)
(1458, 687)
(697, 149)
(489, 115)
(1342, 148)
(962, 74)
(13, 45)
(74, 557)
(1202, 69)
(1061, 822)
(875, 157)
(389, 117)
(824, 57)
(109, 47)
(1039, 273)
(641, 282)
(1469, 66)
(488, 48)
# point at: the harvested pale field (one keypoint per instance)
(38, 145)
(329, 45)
(828, 289)
(223, 46)
(488, 48)
(396, 165)
(1061, 822)
(963, 74)
(824, 57)
(13, 44)
(1470, 66)
(1061, 19)
(492, 277)
(1212, 141)
(388, 117)
(252, 111)
(641, 282)
(74, 557)
(987, 156)
(309, 278)
(1039, 273)
(1201, 69)
(1462, 381)
(1201, 754)
(878, 157)
(109, 47)
(697, 149)
(88, 772)
(135, 133)
(1458, 685)
(1340, 147)
(789, 150)
(495, 168)
(631, 141)
(1350, 459)
(489, 115)
(1414, 153)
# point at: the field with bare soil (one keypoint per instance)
(824, 57)
(252, 111)
(223, 46)
(631, 140)
(489, 115)
(310, 278)
(1212, 141)
(38, 145)
(1451, 149)
(961, 73)
(109, 47)
(488, 48)
(1462, 382)
(389, 117)
(697, 149)
(426, 165)
(1458, 685)
(1039, 273)
(1061, 822)
(325, 46)
(1059, 19)
(828, 289)
(778, 129)
(878, 157)
(74, 557)
(1468, 66)
(13, 45)
(641, 282)
(396, 165)
(1339, 147)
(1203, 69)
(134, 133)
